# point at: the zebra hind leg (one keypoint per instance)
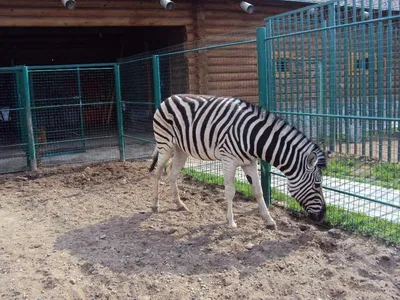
(229, 178)
(162, 160)
(252, 177)
(175, 168)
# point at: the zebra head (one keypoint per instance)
(306, 187)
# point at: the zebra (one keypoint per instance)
(237, 133)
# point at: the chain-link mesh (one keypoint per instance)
(335, 76)
(13, 135)
(138, 107)
(74, 114)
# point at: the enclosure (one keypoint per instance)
(331, 70)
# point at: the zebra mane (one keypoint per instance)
(321, 157)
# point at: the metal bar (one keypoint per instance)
(61, 98)
(363, 99)
(137, 103)
(156, 81)
(309, 75)
(71, 105)
(350, 194)
(28, 119)
(371, 84)
(139, 139)
(346, 88)
(73, 66)
(380, 91)
(263, 63)
(339, 116)
(332, 76)
(120, 118)
(78, 74)
(324, 79)
(336, 26)
(76, 140)
(208, 48)
(11, 69)
(389, 82)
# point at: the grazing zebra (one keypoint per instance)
(237, 133)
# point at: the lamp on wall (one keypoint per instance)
(247, 7)
(167, 4)
(70, 4)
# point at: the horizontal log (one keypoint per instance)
(234, 16)
(231, 77)
(222, 61)
(246, 84)
(123, 21)
(234, 92)
(226, 52)
(236, 7)
(211, 30)
(232, 69)
(97, 12)
(230, 22)
(127, 4)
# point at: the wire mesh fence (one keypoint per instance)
(74, 113)
(138, 106)
(331, 70)
(335, 76)
(14, 154)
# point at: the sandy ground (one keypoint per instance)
(88, 233)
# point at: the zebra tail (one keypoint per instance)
(155, 159)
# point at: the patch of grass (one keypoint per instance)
(388, 173)
(365, 171)
(335, 216)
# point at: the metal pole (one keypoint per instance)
(156, 81)
(28, 119)
(263, 100)
(120, 119)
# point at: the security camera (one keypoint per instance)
(70, 4)
(247, 7)
(167, 4)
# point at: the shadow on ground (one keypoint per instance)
(124, 245)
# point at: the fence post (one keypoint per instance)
(28, 119)
(263, 100)
(120, 120)
(156, 81)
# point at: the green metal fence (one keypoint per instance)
(333, 71)
(15, 153)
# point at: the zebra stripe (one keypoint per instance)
(229, 129)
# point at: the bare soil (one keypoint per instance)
(88, 233)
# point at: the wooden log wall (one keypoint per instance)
(227, 71)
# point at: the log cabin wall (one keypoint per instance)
(223, 72)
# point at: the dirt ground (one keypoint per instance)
(88, 233)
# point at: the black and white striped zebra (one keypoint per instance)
(237, 134)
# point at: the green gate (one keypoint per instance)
(333, 71)
(16, 131)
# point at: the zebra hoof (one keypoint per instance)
(154, 209)
(271, 226)
(232, 226)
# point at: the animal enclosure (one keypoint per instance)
(331, 70)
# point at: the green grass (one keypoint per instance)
(335, 216)
(365, 171)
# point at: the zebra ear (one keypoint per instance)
(311, 159)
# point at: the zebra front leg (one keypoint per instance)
(229, 179)
(252, 177)
(162, 159)
(176, 166)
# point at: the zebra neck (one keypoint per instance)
(280, 144)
